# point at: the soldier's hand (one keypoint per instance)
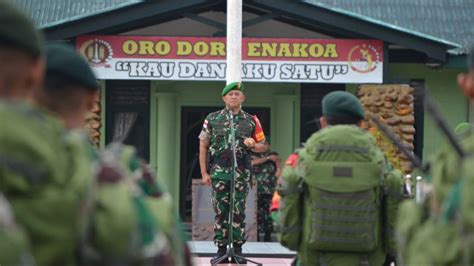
(249, 143)
(273, 157)
(206, 179)
(278, 174)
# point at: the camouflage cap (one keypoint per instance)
(232, 86)
(18, 31)
(342, 103)
(63, 60)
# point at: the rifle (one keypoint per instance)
(433, 109)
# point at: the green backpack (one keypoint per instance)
(346, 201)
(289, 224)
(343, 171)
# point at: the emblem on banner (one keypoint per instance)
(97, 52)
(363, 58)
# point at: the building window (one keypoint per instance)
(128, 114)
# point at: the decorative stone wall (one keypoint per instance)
(394, 104)
(93, 122)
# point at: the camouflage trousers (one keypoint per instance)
(265, 188)
(221, 205)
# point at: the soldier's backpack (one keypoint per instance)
(290, 223)
(344, 174)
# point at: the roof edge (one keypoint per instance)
(381, 23)
(76, 18)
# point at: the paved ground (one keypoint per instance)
(198, 261)
(266, 253)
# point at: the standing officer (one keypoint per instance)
(266, 169)
(215, 150)
(334, 209)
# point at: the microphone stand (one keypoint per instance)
(230, 238)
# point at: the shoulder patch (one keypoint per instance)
(292, 160)
(259, 135)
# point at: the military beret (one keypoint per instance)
(233, 86)
(17, 30)
(63, 60)
(342, 103)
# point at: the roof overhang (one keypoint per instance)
(299, 13)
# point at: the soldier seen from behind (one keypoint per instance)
(439, 230)
(126, 217)
(339, 199)
(266, 170)
(216, 161)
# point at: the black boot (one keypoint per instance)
(268, 236)
(221, 251)
(238, 252)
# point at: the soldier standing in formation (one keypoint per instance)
(220, 130)
(439, 229)
(266, 170)
(338, 195)
(69, 216)
(120, 179)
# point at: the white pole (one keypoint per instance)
(234, 41)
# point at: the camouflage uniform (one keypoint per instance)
(40, 180)
(13, 241)
(132, 220)
(217, 129)
(266, 181)
(445, 216)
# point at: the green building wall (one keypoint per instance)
(442, 85)
(167, 98)
(283, 99)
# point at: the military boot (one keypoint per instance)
(221, 251)
(238, 252)
(268, 236)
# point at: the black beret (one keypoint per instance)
(63, 60)
(17, 30)
(342, 103)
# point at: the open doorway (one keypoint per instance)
(192, 119)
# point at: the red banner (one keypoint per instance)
(136, 54)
